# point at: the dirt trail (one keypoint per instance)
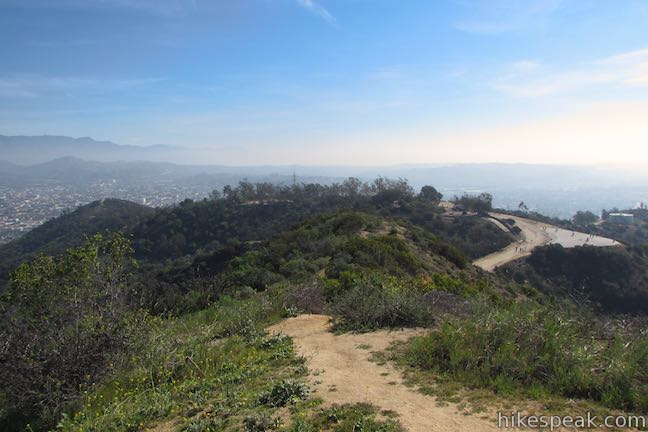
(341, 372)
(536, 234)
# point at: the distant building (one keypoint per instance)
(621, 218)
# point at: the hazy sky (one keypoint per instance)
(334, 81)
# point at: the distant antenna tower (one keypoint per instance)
(294, 179)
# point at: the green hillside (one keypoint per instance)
(222, 225)
(159, 324)
(70, 229)
(614, 280)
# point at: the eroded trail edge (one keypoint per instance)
(341, 372)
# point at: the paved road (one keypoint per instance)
(536, 234)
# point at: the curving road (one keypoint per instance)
(536, 234)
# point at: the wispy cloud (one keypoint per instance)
(526, 66)
(317, 9)
(502, 16)
(635, 63)
(534, 79)
(28, 86)
(631, 56)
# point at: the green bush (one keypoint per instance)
(244, 317)
(284, 392)
(63, 321)
(187, 370)
(360, 417)
(388, 253)
(306, 297)
(533, 350)
(371, 301)
(203, 425)
(260, 422)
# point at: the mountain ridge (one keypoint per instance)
(28, 150)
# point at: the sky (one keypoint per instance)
(347, 82)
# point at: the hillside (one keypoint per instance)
(340, 246)
(635, 233)
(264, 229)
(404, 276)
(306, 247)
(252, 212)
(614, 280)
(162, 326)
(70, 230)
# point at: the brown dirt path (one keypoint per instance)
(536, 234)
(341, 373)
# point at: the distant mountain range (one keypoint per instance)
(29, 150)
(72, 170)
(462, 177)
(553, 189)
(60, 156)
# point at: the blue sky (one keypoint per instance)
(334, 81)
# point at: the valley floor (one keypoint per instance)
(341, 372)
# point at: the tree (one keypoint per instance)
(61, 320)
(352, 187)
(480, 203)
(215, 195)
(523, 207)
(487, 200)
(389, 191)
(230, 194)
(247, 190)
(584, 218)
(429, 193)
